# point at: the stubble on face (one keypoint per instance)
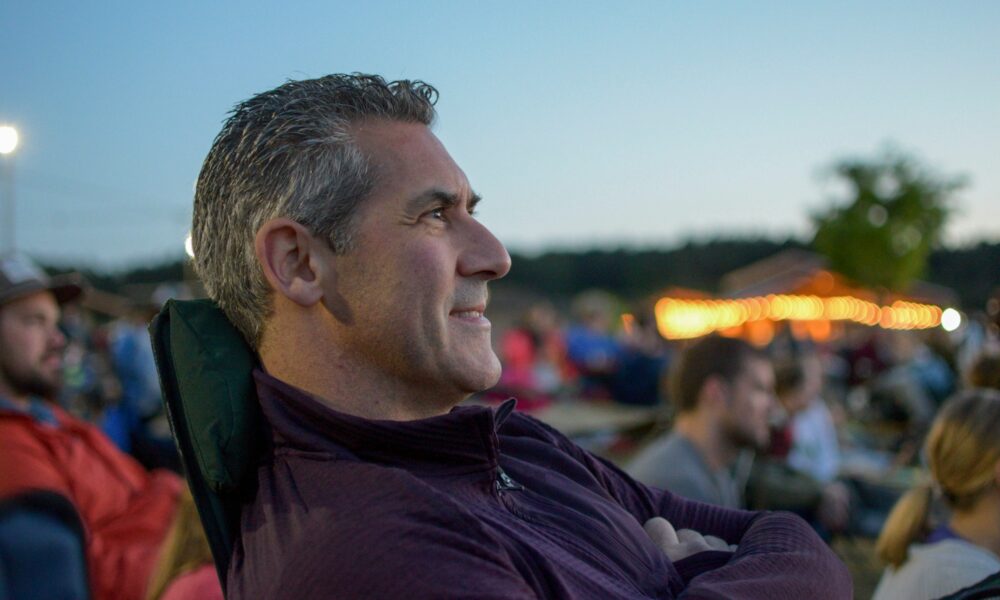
(30, 355)
(746, 424)
(418, 271)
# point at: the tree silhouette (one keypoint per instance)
(894, 217)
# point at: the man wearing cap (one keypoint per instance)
(125, 510)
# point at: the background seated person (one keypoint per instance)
(798, 471)
(124, 508)
(963, 453)
(723, 391)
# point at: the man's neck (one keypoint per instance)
(21, 401)
(348, 388)
(299, 348)
(707, 438)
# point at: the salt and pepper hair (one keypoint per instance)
(289, 152)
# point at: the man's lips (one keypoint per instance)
(472, 313)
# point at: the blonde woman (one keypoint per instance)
(963, 452)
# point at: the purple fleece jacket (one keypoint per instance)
(487, 504)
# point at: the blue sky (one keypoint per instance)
(581, 123)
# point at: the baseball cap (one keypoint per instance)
(20, 277)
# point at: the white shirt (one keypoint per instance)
(815, 449)
(935, 570)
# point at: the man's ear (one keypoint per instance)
(713, 394)
(289, 257)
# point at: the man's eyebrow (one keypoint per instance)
(445, 199)
(474, 201)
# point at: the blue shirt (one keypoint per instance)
(37, 408)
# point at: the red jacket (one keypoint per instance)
(125, 509)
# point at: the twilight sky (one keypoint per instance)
(581, 123)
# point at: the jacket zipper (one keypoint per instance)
(504, 483)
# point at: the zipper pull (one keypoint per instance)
(505, 483)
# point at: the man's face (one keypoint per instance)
(751, 395)
(31, 346)
(409, 297)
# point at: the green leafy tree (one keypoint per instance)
(895, 215)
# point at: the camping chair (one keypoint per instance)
(205, 369)
(42, 548)
(985, 589)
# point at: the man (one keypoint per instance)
(124, 509)
(723, 391)
(340, 237)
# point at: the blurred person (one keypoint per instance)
(814, 448)
(533, 353)
(723, 391)
(185, 569)
(644, 358)
(591, 345)
(915, 361)
(985, 372)
(799, 471)
(125, 509)
(963, 454)
(137, 420)
(864, 352)
(339, 236)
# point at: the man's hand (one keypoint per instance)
(681, 544)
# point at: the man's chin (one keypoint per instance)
(475, 380)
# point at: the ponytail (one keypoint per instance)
(907, 523)
(962, 451)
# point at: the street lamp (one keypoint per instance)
(8, 143)
(8, 139)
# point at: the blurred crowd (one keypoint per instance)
(838, 432)
(110, 380)
(833, 431)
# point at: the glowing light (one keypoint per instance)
(951, 319)
(628, 320)
(189, 245)
(810, 315)
(8, 139)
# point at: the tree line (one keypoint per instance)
(973, 272)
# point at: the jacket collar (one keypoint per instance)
(37, 409)
(464, 440)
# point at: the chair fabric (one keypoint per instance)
(206, 373)
(42, 548)
(987, 588)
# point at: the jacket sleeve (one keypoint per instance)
(779, 555)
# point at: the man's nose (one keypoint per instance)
(57, 339)
(483, 255)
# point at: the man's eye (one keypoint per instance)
(437, 213)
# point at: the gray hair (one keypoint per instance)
(289, 152)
